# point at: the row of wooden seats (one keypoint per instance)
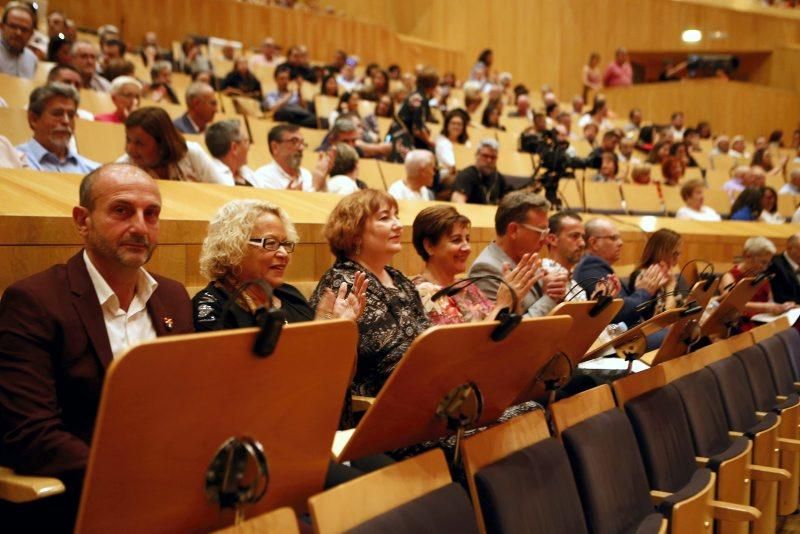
(691, 452)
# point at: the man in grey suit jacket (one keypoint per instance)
(521, 226)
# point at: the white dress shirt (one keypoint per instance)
(244, 172)
(272, 176)
(341, 185)
(401, 191)
(124, 328)
(705, 213)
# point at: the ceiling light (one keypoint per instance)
(691, 36)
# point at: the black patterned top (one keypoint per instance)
(391, 320)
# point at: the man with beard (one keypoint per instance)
(16, 28)
(481, 183)
(61, 328)
(286, 145)
(51, 116)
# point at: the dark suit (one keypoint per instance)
(590, 269)
(785, 286)
(184, 125)
(54, 351)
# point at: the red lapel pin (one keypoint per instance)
(168, 323)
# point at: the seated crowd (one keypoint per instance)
(60, 329)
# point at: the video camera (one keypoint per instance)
(553, 158)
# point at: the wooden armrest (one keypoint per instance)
(761, 414)
(21, 488)
(657, 496)
(797, 386)
(362, 404)
(728, 511)
(790, 445)
(735, 434)
(781, 397)
(769, 474)
(701, 461)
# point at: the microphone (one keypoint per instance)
(646, 304)
(270, 320)
(508, 319)
(760, 277)
(603, 299)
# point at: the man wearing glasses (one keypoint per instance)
(17, 28)
(521, 226)
(286, 145)
(595, 271)
(60, 330)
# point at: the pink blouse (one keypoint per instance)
(470, 305)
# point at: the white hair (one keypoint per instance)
(121, 81)
(488, 142)
(758, 245)
(417, 160)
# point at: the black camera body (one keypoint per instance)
(553, 158)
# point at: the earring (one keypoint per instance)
(358, 249)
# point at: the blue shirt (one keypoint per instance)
(743, 214)
(22, 65)
(40, 159)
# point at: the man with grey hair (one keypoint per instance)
(792, 187)
(420, 167)
(344, 130)
(228, 144)
(521, 228)
(738, 148)
(201, 104)
(15, 31)
(51, 116)
(786, 268)
(84, 59)
(741, 179)
(481, 183)
(343, 178)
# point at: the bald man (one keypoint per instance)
(61, 328)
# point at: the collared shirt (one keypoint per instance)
(618, 75)
(273, 97)
(272, 176)
(98, 83)
(124, 328)
(575, 293)
(401, 191)
(41, 159)
(21, 65)
(789, 189)
(244, 176)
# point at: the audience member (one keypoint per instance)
(347, 76)
(201, 106)
(253, 241)
(241, 81)
(565, 247)
(521, 229)
(722, 145)
(111, 50)
(591, 76)
(153, 144)
(747, 206)
(481, 183)
(609, 168)
(344, 170)
(595, 272)
(634, 123)
(16, 59)
(160, 89)
(741, 179)
(364, 234)
(228, 143)
(619, 73)
(420, 167)
(640, 174)
(441, 238)
(607, 145)
(626, 155)
(769, 207)
(410, 129)
(676, 126)
(286, 103)
(286, 144)
(756, 258)
(126, 93)
(298, 65)
(84, 59)
(759, 177)
(59, 51)
(10, 157)
(693, 195)
(51, 116)
(61, 329)
(523, 109)
(672, 169)
(785, 267)
(792, 187)
(56, 23)
(268, 56)
(193, 59)
(738, 148)
(453, 132)
(491, 116)
(662, 249)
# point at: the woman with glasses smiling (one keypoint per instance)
(252, 240)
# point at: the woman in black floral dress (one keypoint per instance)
(364, 234)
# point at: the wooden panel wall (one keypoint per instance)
(249, 23)
(548, 41)
(785, 68)
(722, 103)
